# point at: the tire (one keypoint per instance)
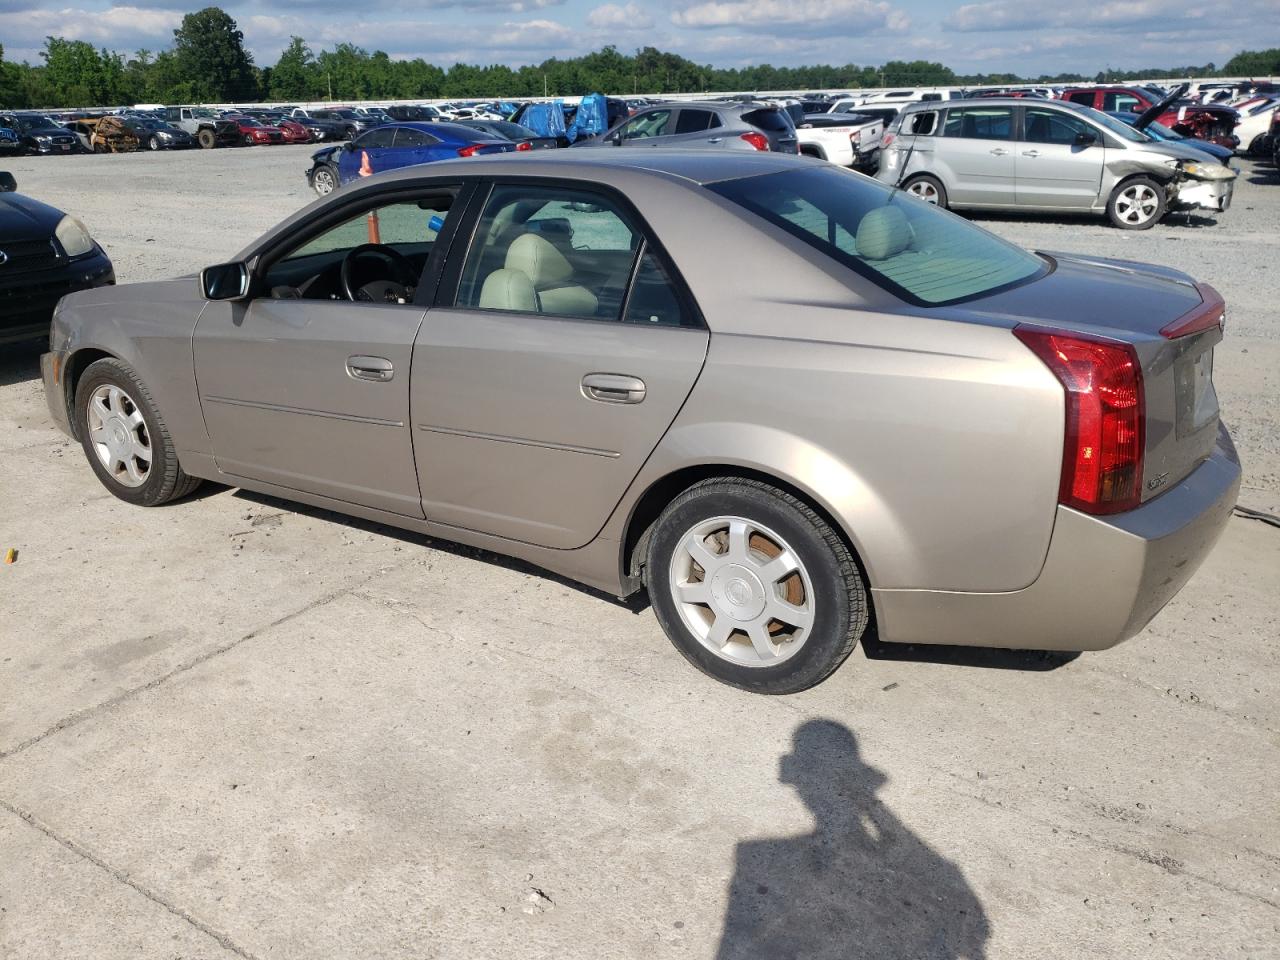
(206, 138)
(1256, 146)
(1137, 204)
(324, 180)
(153, 143)
(927, 188)
(825, 600)
(115, 412)
(248, 139)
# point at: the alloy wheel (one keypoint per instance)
(1137, 203)
(323, 183)
(742, 591)
(925, 190)
(119, 435)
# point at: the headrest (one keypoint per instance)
(539, 260)
(508, 290)
(883, 233)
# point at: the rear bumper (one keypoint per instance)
(1103, 580)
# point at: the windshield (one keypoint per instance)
(911, 248)
(247, 122)
(203, 112)
(36, 122)
(345, 114)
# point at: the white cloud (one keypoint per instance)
(611, 16)
(118, 28)
(814, 16)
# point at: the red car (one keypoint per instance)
(293, 131)
(252, 132)
(1204, 121)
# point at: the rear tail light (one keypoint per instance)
(1106, 417)
(524, 145)
(757, 140)
(470, 151)
(888, 139)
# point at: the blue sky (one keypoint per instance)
(1025, 36)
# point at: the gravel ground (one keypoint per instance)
(235, 727)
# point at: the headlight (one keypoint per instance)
(164, 134)
(1206, 171)
(43, 138)
(73, 236)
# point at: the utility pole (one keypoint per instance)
(329, 77)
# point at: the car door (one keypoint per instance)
(975, 154)
(1055, 167)
(555, 361)
(376, 145)
(303, 388)
(414, 146)
(695, 126)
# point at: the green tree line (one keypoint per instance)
(208, 63)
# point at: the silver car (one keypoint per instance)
(789, 401)
(1030, 155)
(705, 124)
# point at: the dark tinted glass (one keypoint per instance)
(692, 121)
(408, 137)
(774, 121)
(1052, 126)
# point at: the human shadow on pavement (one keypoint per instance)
(20, 362)
(860, 886)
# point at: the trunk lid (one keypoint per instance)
(1173, 324)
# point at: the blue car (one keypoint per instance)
(1158, 131)
(398, 145)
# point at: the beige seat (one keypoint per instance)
(883, 233)
(537, 278)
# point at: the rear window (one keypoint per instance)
(906, 246)
(772, 120)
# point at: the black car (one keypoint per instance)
(155, 134)
(44, 254)
(513, 132)
(40, 134)
(350, 122)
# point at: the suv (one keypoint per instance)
(348, 122)
(1046, 156)
(711, 124)
(203, 125)
(39, 134)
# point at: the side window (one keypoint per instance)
(407, 227)
(1127, 102)
(1084, 96)
(555, 251)
(922, 124)
(653, 299)
(984, 123)
(695, 121)
(408, 137)
(377, 137)
(1052, 126)
(652, 124)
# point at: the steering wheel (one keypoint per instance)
(397, 288)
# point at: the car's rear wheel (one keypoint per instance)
(125, 438)
(206, 138)
(929, 189)
(324, 181)
(1137, 204)
(753, 587)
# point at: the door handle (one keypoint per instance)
(999, 152)
(613, 388)
(716, 140)
(1031, 153)
(378, 369)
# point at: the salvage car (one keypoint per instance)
(399, 145)
(542, 359)
(155, 134)
(44, 253)
(706, 124)
(522, 137)
(253, 132)
(845, 139)
(1158, 131)
(39, 134)
(1046, 156)
(1204, 121)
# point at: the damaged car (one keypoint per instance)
(1046, 157)
(845, 139)
(1204, 121)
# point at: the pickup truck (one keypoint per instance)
(204, 126)
(847, 139)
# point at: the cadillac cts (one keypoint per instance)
(790, 402)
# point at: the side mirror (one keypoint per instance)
(226, 281)
(616, 138)
(7, 183)
(349, 146)
(1086, 139)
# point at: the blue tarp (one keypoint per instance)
(592, 117)
(545, 119)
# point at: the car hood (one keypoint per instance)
(45, 131)
(1153, 112)
(1094, 294)
(22, 218)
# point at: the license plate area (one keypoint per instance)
(1196, 399)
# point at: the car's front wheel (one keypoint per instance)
(153, 143)
(324, 181)
(125, 438)
(1137, 204)
(928, 189)
(754, 587)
